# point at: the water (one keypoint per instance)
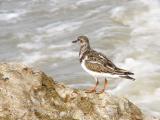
(39, 33)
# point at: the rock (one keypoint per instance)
(27, 94)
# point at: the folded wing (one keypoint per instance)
(100, 63)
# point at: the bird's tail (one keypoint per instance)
(127, 77)
(124, 74)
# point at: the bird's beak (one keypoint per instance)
(75, 41)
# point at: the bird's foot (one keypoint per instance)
(101, 91)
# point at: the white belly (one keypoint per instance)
(97, 74)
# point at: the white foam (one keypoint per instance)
(60, 27)
(143, 66)
(124, 84)
(80, 2)
(33, 57)
(95, 11)
(117, 13)
(64, 54)
(7, 16)
(30, 46)
(147, 98)
(101, 33)
(157, 92)
(145, 28)
(150, 100)
(60, 46)
(142, 19)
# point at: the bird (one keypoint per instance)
(98, 65)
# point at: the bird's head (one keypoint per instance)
(82, 40)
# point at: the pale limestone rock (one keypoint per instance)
(27, 94)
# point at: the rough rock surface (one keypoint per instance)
(27, 94)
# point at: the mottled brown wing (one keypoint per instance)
(102, 59)
(98, 62)
(97, 67)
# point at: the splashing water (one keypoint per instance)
(39, 33)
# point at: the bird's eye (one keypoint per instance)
(81, 41)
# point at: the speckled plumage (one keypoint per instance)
(97, 64)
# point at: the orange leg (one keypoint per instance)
(93, 89)
(105, 86)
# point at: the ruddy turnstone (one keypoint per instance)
(98, 65)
